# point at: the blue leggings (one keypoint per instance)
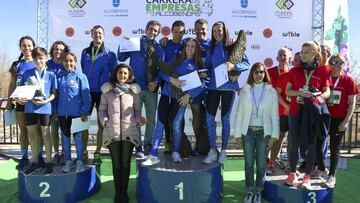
(165, 108)
(212, 104)
(65, 126)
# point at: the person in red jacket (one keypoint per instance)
(302, 79)
(283, 57)
(341, 104)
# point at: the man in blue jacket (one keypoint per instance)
(97, 62)
(139, 61)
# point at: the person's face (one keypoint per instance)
(98, 36)
(122, 75)
(152, 32)
(307, 54)
(336, 65)
(297, 60)
(201, 31)
(283, 58)
(259, 74)
(218, 32)
(178, 33)
(40, 61)
(26, 47)
(190, 49)
(58, 51)
(69, 63)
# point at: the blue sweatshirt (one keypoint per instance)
(172, 49)
(219, 56)
(54, 67)
(98, 72)
(74, 94)
(186, 67)
(22, 67)
(29, 78)
(138, 60)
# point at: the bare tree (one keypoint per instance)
(5, 62)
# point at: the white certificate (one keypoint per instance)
(27, 91)
(77, 125)
(10, 117)
(192, 81)
(128, 45)
(221, 75)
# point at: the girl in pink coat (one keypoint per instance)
(120, 115)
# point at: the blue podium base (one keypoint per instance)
(59, 187)
(189, 181)
(276, 191)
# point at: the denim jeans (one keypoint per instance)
(254, 144)
(150, 101)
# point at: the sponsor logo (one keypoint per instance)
(77, 8)
(290, 34)
(268, 62)
(267, 32)
(165, 31)
(244, 13)
(255, 47)
(116, 31)
(138, 31)
(247, 32)
(69, 32)
(178, 7)
(116, 3)
(115, 11)
(244, 3)
(284, 8)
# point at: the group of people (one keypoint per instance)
(272, 102)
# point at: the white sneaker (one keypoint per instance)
(176, 157)
(140, 156)
(211, 157)
(331, 181)
(222, 157)
(151, 160)
(249, 197)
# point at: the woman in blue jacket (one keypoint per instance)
(73, 102)
(217, 55)
(187, 62)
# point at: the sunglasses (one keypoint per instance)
(259, 72)
(336, 63)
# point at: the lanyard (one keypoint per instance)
(41, 80)
(336, 82)
(94, 53)
(257, 104)
(307, 77)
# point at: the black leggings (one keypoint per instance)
(120, 152)
(335, 141)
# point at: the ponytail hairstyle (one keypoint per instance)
(13, 68)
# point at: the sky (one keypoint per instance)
(18, 18)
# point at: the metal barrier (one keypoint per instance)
(10, 134)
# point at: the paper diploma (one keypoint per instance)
(77, 125)
(128, 45)
(221, 75)
(27, 91)
(192, 81)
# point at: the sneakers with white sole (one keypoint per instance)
(222, 157)
(151, 160)
(176, 157)
(211, 157)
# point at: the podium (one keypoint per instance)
(59, 187)
(276, 191)
(188, 181)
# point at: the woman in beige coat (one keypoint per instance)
(120, 115)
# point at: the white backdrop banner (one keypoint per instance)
(269, 24)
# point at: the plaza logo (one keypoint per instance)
(284, 8)
(244, 13)
(179, 7)
(115, 11)
(290, 34)
(77, 8)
